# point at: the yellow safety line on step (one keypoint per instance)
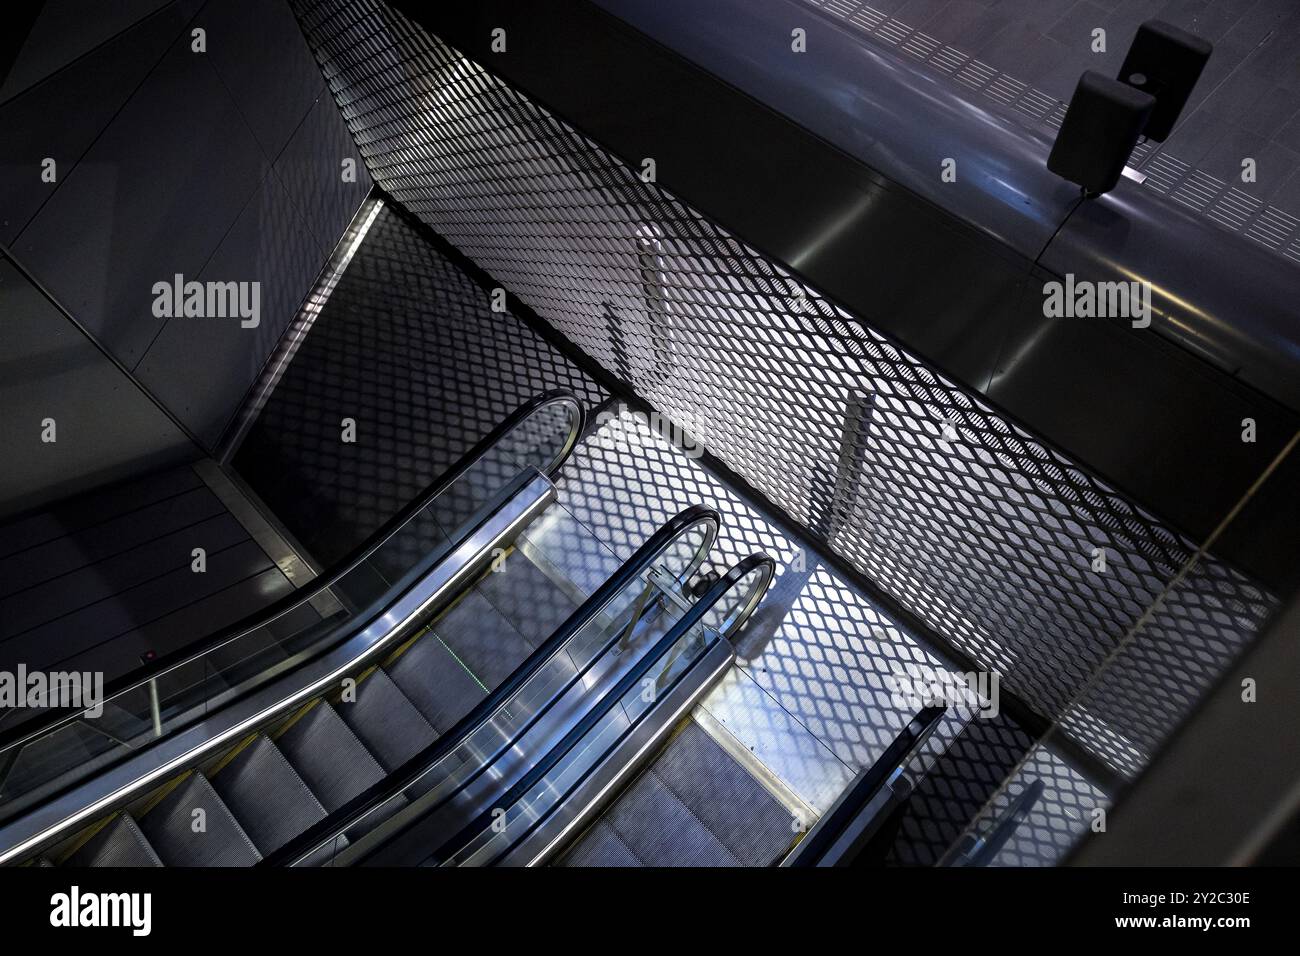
(232, 754)
(86, 836)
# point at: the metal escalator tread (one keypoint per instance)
(602, 846)
(725, 797)
(694, 806)
(118, 843)
(334, 764)
(481, 637)
(170, 827)
(267, 796)
(391, 727)
(527, 598)
(435, 681)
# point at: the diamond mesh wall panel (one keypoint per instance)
(408, 348)
(955, 788)
(985, 533)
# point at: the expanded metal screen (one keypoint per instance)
(407, 348)
(988, 535)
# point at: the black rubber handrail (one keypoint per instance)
(614, 698)
(43, 724)
(864, 789)
(355, 810)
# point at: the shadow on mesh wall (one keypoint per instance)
(408, 348)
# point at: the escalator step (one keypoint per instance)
(171, 826)
(527, 598)
(725, 797)
(267, 796)
(602, 846)
(438, 684)
(334, 764)
(694, 806)
(654, 827)
(481, 637)
(390, 726)
(118, 843)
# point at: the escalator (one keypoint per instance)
(481, 629)
(621, 679)
(664, 791)
(294, 773)
(221, 756)
(631, 622)
(696, 805)
(484, 685)
(596, 756)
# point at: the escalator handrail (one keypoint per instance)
(40, 725)
(614, 698)
(424, 591)
(864, 788)
(326, 830)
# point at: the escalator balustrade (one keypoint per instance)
(248, 803)
(310, 754)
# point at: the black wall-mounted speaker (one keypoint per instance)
(1100, 129)
(1165, 62)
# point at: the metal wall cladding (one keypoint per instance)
(983, 531)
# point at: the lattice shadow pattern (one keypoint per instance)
(819, 648)
(985, 533)
(408, 347)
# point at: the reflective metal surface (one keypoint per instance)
(859, 812)
(621, 729)
(499, 752)
(649, 663)
(1217, 294)
(554, 718)
(621, 765)
(639, 601)
(1214, 292)
(898, 119)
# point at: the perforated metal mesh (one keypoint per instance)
(985, 533)
(969, 789)
(406, 347)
